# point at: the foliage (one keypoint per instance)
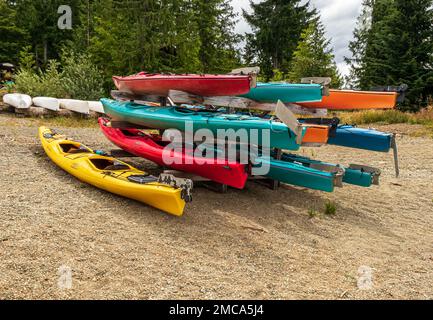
(330, 208)
(276, 30)
(396, 48)
(13, 37)
(358, 45)
(313, 57)
(80, 78)
(38, 83)
(39, 18)
(216, 21)
(424, 117)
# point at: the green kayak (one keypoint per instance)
(317, 175)
(286, 92)
(299, 175)
(354, 175)
(178, 117)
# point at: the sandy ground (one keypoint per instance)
(251, 244)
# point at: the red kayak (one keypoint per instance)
(151, 147)
(202, 85)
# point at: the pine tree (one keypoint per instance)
(13, 37)
(398, 49)
(313, 56)
(40, 19)
(408, 50)
(277, 26)
(215, 21)
(358, 45)
(376, 65)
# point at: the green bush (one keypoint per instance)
(81, 78)
(48, 83)
(28, 82)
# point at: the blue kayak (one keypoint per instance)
(286, 92)
(358, 138)
(353, 137)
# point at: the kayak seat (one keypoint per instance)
(73, 149)
(105, 164)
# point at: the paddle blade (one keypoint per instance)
(288, 118)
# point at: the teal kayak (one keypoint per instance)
(177, 118)
(299, 175)
(354, 175)
(286, 92)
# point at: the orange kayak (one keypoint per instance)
(354, 100)
(316, 134)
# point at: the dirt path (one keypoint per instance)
(251, 244)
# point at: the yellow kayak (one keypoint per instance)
(166, 193)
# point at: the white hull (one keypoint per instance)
(18, 100)
(47, 103)
(96, 106)
(75, 105)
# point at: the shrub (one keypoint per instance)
(51, 81)
(81, 78)
(40, 83)
(330, 208)
(28, 82)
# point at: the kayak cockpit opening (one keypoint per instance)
(109, 165)
(73, 148)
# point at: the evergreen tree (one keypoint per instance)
(313, 56)
(40, 19)
(358, 45)
(376, 65)
(13, 37)
(216, 21)
(398, 49)
(277, 26)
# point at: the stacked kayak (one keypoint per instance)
(201, 85)
(176, 117)
(269, 137)
(354, 174)
(233, 174)
(152, 147)
(113, 175)
(285, 92)
(358, 138)
(354, 137)
(354, 100)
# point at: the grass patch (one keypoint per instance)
(312, 213)
(330, 208)
(424, 117)
(55, 122)
(68, 122)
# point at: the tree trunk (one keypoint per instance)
(45, 51)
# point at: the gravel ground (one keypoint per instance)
(250, 244)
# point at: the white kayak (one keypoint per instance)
(75, 105)
(47, 103)
(96, 106)
(18, 100)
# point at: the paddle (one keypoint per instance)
(288, 118)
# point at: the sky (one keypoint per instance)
(338, 17)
